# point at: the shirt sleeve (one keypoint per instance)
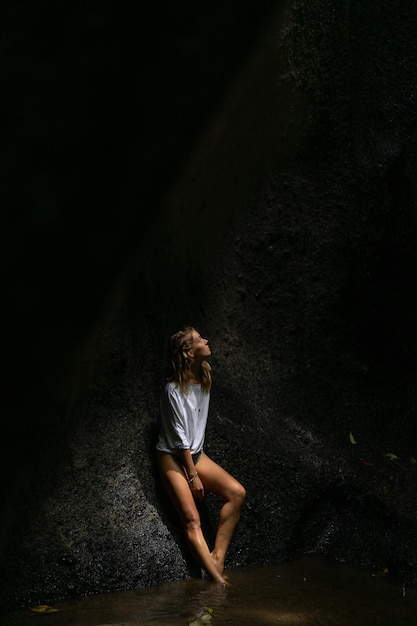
(173, 419)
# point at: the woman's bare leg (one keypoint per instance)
(176, 485)
(216, 480)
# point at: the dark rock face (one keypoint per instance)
(288, 238)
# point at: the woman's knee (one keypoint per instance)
(192, 521)
(239, 494)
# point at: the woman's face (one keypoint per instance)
(201, 348)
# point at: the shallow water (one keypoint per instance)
(306, 592)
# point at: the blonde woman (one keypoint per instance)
(186, 471)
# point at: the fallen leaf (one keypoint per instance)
(383, 572)
(364, 461)
(43, 608)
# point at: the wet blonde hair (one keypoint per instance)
(179, 363)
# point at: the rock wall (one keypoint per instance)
(288, 238)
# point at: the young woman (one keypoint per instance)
(186, 471)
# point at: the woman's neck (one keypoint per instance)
(195, 374)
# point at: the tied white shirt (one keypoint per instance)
(183, 418)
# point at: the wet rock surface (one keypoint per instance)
(289, 239)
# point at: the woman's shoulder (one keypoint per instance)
(170, 388)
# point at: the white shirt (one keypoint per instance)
(183, 418)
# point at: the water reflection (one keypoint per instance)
(306, 592)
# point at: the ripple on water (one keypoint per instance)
(306, 592)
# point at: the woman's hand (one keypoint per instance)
(197, 489)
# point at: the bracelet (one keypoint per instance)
(192, 478)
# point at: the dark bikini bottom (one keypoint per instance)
(195, 457)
